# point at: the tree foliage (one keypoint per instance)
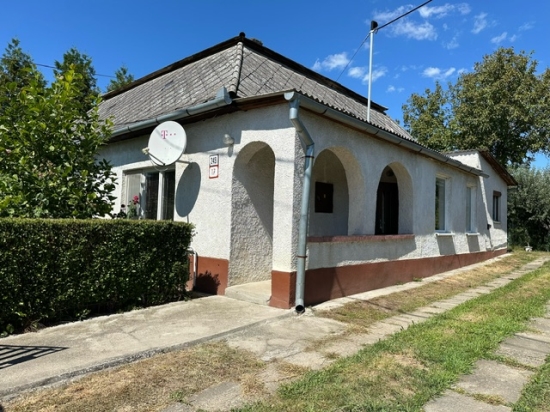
(502, 106)
(122, 78)
(85, 82)
(48, 147)
(529, 208)
(16, 67)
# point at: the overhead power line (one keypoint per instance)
(55, 68)
(375, 30)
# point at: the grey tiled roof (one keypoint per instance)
(246, 69)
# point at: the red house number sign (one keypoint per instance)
(214, 166)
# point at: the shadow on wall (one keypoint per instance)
(207, 283)
(446, 245)
(188, 189)
(473, 244)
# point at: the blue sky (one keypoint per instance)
(437, 42)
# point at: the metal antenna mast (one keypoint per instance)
(373, 29)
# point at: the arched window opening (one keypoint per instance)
(387, 204)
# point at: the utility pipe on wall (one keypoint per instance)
(308, 146)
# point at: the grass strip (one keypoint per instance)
(366, 313)
(405, 371)
(147, 385)
(536, 395)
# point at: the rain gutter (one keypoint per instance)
(222, 99)
(319, 108)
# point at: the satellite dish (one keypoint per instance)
(167, 143)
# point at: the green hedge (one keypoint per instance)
(62, 270)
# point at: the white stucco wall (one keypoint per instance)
(222, 231)
(254, 224)
(416, 180)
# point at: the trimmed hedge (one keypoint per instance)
(63, 270)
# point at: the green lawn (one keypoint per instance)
(405, 371)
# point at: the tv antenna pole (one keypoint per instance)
(373, 29)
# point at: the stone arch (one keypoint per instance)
(336, 170)
(251, 244)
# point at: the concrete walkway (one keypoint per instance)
(60, 353)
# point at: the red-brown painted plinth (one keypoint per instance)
(212, 275)
(331, 283)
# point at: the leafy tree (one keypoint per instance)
(17, 70)
(86, 82)
(502, 106)
(122, 78)
(48, 165)
(529, 208)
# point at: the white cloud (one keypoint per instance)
(461, 71)
(356, 72)
(383, 17)
(424, 31)
(393, 89)
(480, 23)
(513, 38)
(453, 44)
(438, 74)
(526, 26)
(463, 8)
(499, 39)
(376, 74)
(334, 61)
(415, 29)
(442, 11)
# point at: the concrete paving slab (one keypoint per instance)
(421, 314)
(454, 402)
(399, 321)
(495, 379)
(525, 351)
(385, 328)
(351, 344)
(541, 324)
(445, 305)
(253, 292)
(534, 336)
(285, 337)
(432, 310)
(95, 344)
(498, 283)
(311, 360)
(483, 290)
(221, 397)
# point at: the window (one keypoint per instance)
(440, 204)
(324, 197)
(470, 209)
(496, 206)
(150, 195)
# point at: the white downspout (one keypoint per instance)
(308, 146)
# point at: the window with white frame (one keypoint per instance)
(150, 194)
(496, 206)
(471, 209)
(441, 187)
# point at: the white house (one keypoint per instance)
(285, 179)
